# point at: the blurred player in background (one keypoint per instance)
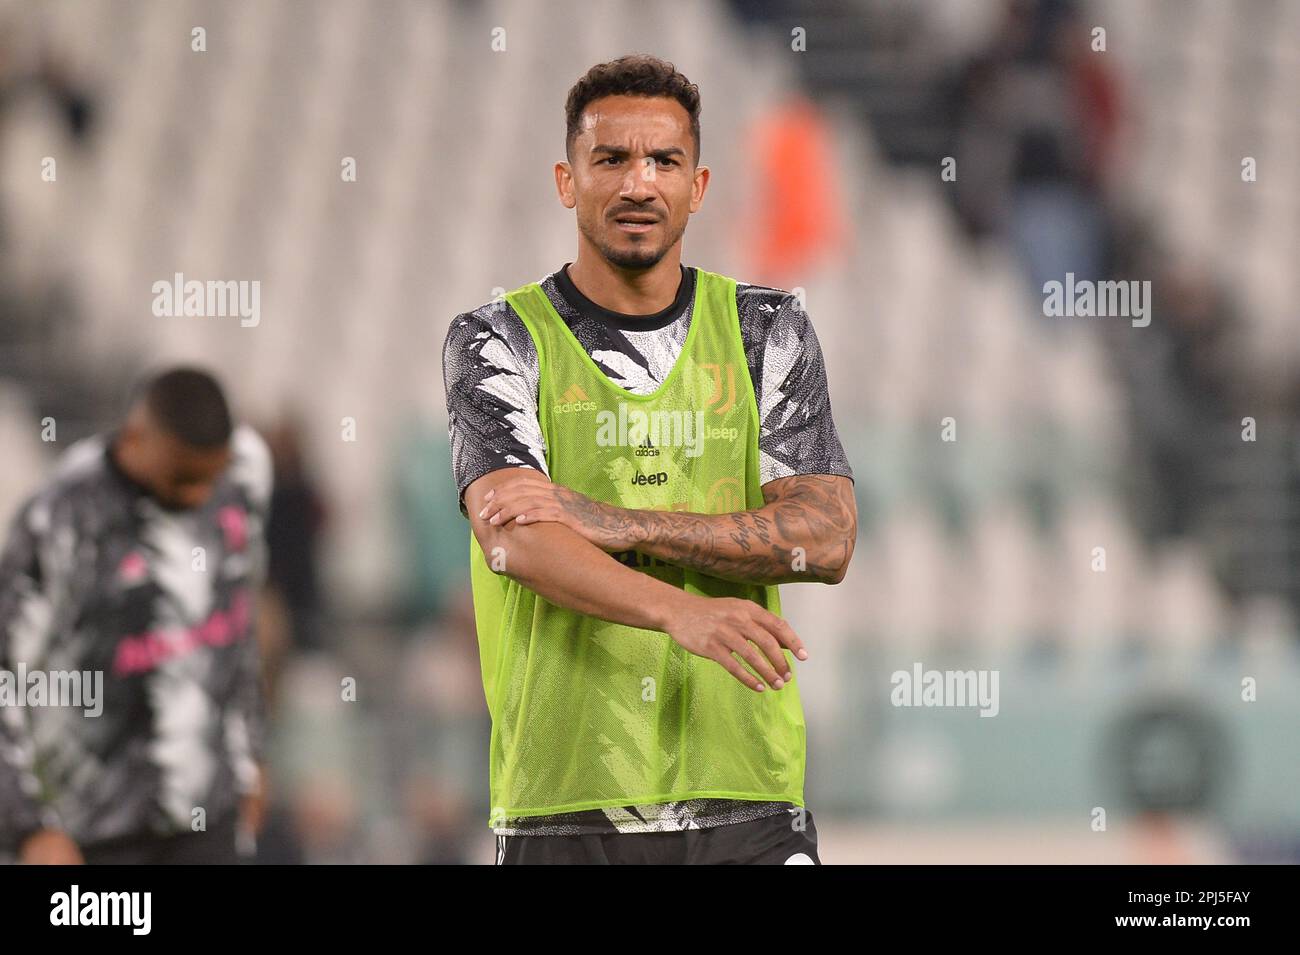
(644, 451)
(140, 560)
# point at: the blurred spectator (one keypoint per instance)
(31, 70)
(799, 222)
(293, 534)
(1038, 112)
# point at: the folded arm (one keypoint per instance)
(804, 532)
(569, 571)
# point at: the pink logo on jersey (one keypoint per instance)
(142, 652)
(133, 568)
(234, 524)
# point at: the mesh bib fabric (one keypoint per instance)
(589, 714)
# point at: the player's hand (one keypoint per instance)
(717, 627)
(253, 805)
(49, 847)
(530, 498)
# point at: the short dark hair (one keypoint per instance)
(638, 74)
(190, 405)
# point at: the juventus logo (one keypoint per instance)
(716, 371)
(725, 496)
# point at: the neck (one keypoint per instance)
(628, 291)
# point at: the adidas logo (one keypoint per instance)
(646, 450)
(574, 399)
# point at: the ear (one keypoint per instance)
(564, 184)
(698, 187)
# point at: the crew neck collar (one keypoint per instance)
(631, 323)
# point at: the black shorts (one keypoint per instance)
(772, 840)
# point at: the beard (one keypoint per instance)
(638, 255)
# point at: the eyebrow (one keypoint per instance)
(656, 153)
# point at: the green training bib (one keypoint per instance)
(589, 714)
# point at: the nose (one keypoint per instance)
(638, 184)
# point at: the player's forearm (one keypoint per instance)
(805, 532)
(747, 546)
(22, 602)
(20, 812)
(563, 568)
(245, 727)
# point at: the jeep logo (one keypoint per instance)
(659, 477)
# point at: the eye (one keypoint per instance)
(667, 161)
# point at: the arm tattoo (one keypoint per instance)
(805, 531)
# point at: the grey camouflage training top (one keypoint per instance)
(97, 576)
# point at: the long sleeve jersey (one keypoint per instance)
(99, 583)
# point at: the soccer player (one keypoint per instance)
(140, 561)
(644, 451)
